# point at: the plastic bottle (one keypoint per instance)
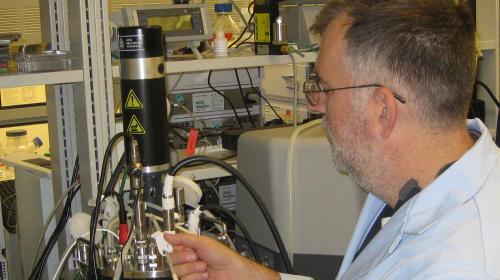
(224, 22)
(220, 44)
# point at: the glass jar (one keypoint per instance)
(17, 143)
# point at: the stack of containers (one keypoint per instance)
(5, 40)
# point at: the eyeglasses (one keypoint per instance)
(312, 89)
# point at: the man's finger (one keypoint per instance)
(187, 240)
(185, 269)
(197, 276)
(184, 257)
(181, 248)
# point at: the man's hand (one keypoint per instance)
(198, 257)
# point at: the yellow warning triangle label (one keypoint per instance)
(135, 127)
(132, 101)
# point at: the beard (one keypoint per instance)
(352, 153)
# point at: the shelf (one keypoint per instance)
(45, 78)
(488, 45)
(24, 115)
(241, 61)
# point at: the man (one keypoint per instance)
(394, 80)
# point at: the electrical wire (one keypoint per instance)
(295, 89)
(92, 268)
(37, 269)
(490, 93)
(245, 41)
(246, 26)
(116, 174)
(289, 168)
(243, 98)
(225, 97)
(126, 247)
(272, 226)
(262, 96)
(246, 234)
(47, 223)
(242, 33)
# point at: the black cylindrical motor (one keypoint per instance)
(143, 92)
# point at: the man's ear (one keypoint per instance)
(383, 113)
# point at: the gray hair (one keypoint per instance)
(426, 48)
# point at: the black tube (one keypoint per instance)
(255, 196)
(262, 96)
(93, 273)
(116, 174)
(225, 97)
(243, 98)
(490, 93)
(246, 234)
(37, 271)
(42, 261)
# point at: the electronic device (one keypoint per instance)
(299, 18)
(183, 25)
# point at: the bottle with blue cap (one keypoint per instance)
(224, 23)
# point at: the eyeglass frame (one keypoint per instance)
(308, 93)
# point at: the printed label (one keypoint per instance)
(228, 195)
(207, 102)
(131, 43)
(132, 101)
(135, 127)
(262, 28)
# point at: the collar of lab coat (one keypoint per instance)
(445, 194)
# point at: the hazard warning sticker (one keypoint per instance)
(135, 127)
(132, 101)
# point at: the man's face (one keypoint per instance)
(343, 120)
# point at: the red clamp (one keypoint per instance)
(192, 141)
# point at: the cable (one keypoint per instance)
(255, 196)
(124, 179)
(116, 174)
(193, 117)
(246, 26)
(176, 83)
(225, 97)
(243, 98)
(246, 234)
(295, 89)
(93, 274)
(47, 222)
(37, 270)
(242, 33)
(490, 93)
(131, 228)
(245, 41)
(262, 96)
(289, 167)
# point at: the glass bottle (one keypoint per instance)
(225, 22)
